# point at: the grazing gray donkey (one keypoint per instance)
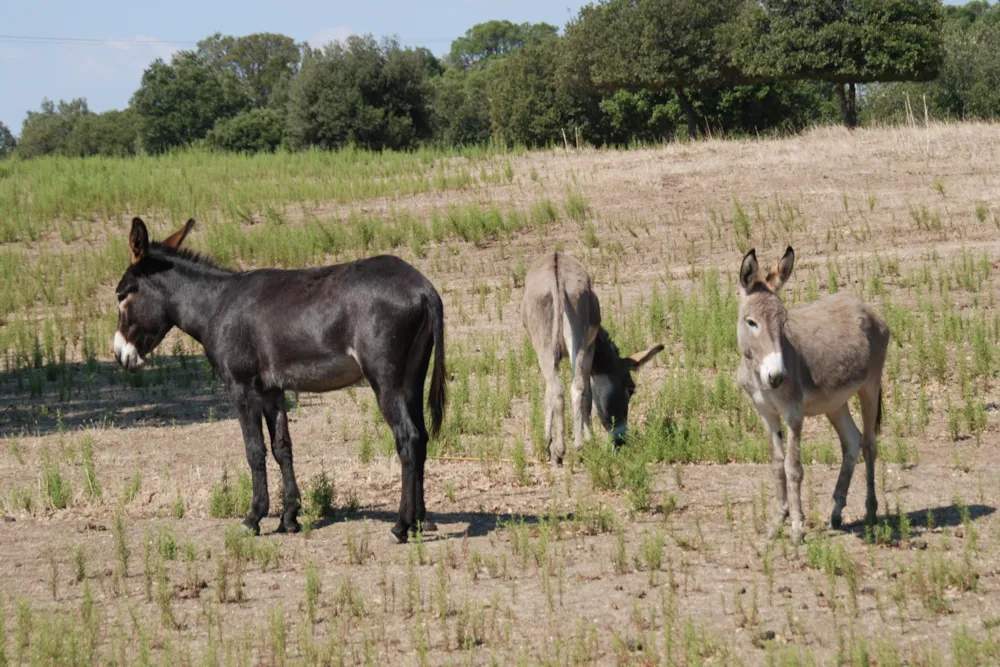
(805, 362)
(563, 316)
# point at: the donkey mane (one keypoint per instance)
(190, 256)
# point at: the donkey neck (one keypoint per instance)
(195, 289)
(606, 357)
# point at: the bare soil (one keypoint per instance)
(723, 594)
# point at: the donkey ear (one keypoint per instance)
(138, 240)
(748, 270)
(175, 239)
(777, 276)
(639, 359)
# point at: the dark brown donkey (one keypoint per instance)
(317, 330)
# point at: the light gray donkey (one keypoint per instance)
(563, 317)
(810, 361)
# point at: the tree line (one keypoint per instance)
(621, 72)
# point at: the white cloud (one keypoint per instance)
(324, 36)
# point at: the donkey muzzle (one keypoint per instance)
(772, 371)
(126, 354)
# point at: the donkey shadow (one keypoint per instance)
(171, 390)
(946, 516)
(480, 524)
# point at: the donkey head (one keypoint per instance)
(142, 304)
(612, 385)
(761, 325)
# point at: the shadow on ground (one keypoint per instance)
(170, 390)
(948, 516)
(479, 524)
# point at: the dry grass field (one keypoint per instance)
(120, 494)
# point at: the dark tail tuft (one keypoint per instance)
(437, 397)
(878, 415)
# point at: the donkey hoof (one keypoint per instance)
(292, 526)
(425, 527)
(836, 522)
(252, 526)
(557, 461)
(399, 536)
(798, 534)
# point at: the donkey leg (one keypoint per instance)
(553, 406)
(587, 397)
(415, 410)
(871, 397)
(281, 447)
(394, 412)
(850, 445)
(772, 423)
(793, 473)
(576, 391)
(249, 409)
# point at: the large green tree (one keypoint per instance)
(45, 131)
(844, 42)
(109, 133)
(652, 45)
(7, 142)
(530, 102)
(262, 64)
(367, 93)
(460, 107)
(485, 42)
(180, 102)
(968, 81)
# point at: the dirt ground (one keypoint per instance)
(517, 573)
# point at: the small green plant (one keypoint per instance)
(166, 544)
(278, 635)
(80, 563)
(164, 596)
(358, 549)
(178, 506)
(227, 500)
(56, 489)
(313, 589)
(521, 462)
(91, 486)
(319, 496)
(133, 487)
(620, 556)
(121, 542)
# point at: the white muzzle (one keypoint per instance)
(772, 370)
(126, 354)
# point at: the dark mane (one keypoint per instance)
(605, 353)
(189, 255)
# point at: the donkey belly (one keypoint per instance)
(817, 402)
(320, 375)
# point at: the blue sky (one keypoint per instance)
(107, 74)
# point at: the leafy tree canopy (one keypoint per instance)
(7, 141)
(261, 64)
(179, 103)
(364, 92)
(485, 42)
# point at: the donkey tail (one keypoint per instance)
(557, 316)
(878, 415)
(436, 400)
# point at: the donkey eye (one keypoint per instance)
(751, 323)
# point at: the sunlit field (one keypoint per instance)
(122, 493)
